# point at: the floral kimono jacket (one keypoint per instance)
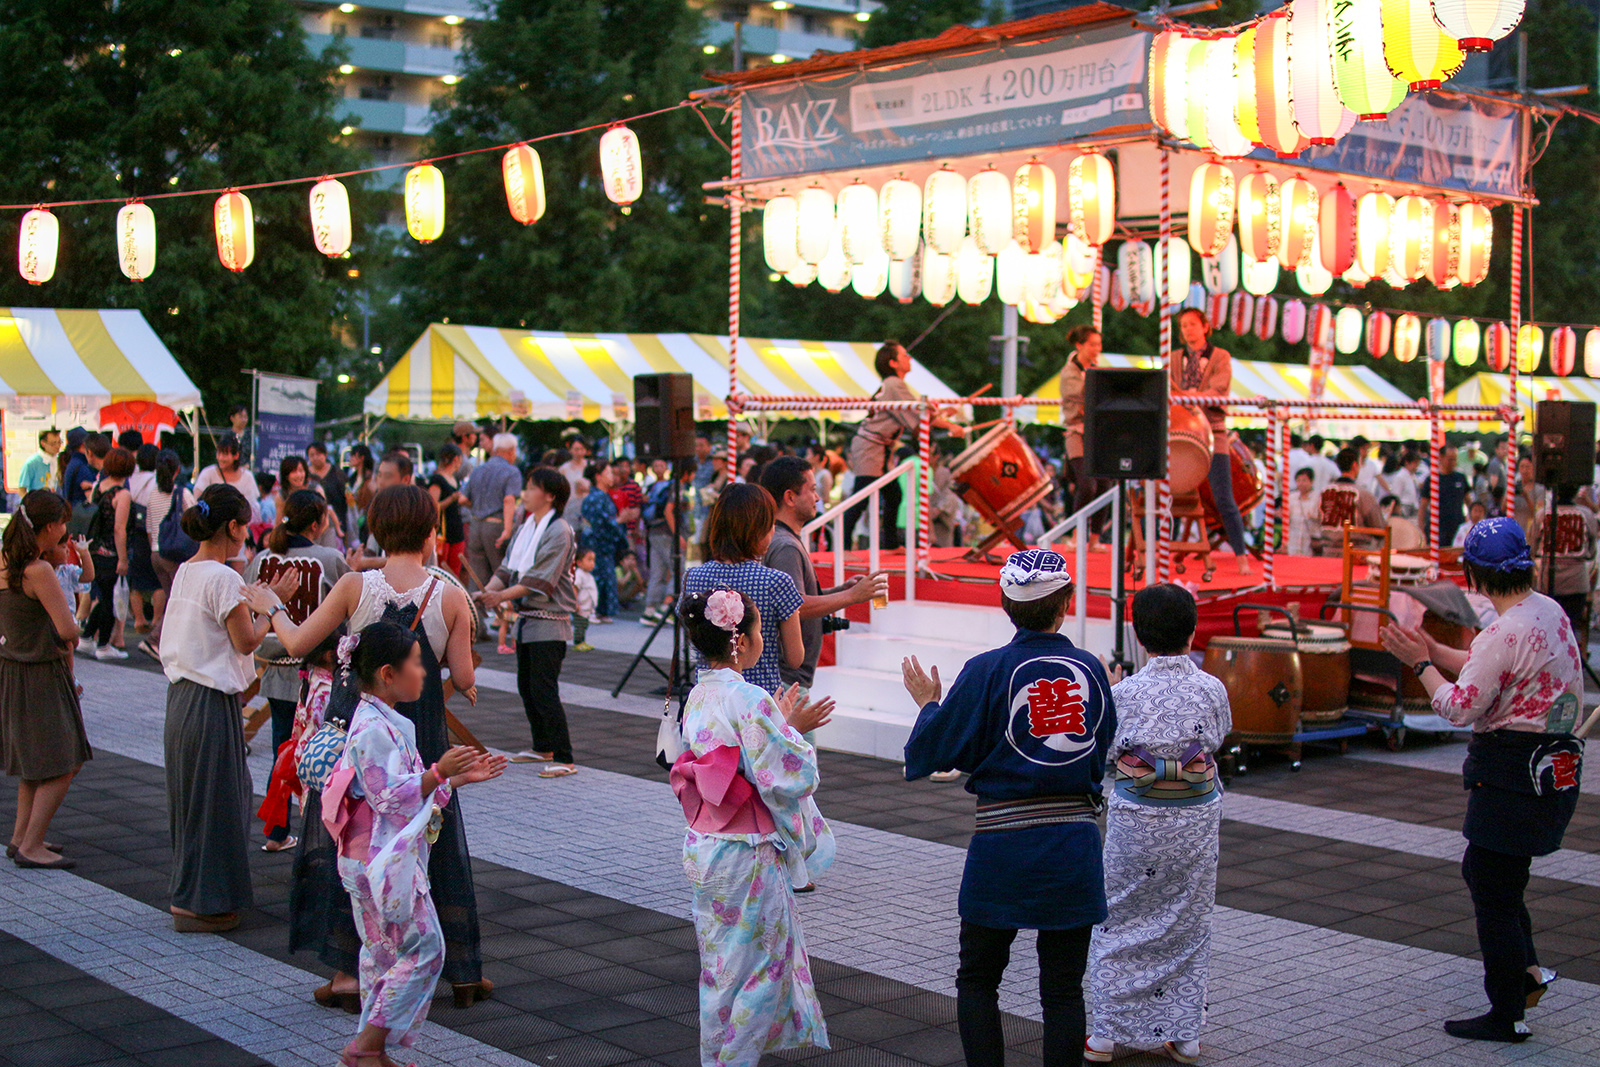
(755, 834)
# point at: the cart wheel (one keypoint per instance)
(1208, 574)
(1396, 740)
(1178, 567)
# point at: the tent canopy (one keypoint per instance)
(91, 357)
(1275, 381)
(1495, 389)
(469, 372)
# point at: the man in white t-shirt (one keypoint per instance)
(1371, 468)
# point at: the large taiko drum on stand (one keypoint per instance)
(1265, 686)
(1246, 485)
(1000, 476)
(1188, 449)
(1324, 669)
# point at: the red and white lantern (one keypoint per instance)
(1379, 330)
(1211, 208)
(1336, 229)
(1260, 214)
(1497, 347)
(522, 173)
(1298, 220)
(1563, 350)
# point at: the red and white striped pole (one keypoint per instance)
(735, 240)
(925, 447)
(1269, 528)
(1097, 293)
(1516, 328)
(1164, 487)
(1435, 446)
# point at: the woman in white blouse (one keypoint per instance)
(227, 470)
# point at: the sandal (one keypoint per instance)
(529, 756)
(204, 924)
(11, 850)
(506, 650)
(469, 993)
(281, 846)
(560, 770)
(324, 995)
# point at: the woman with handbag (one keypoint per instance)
(108, 541)
(404, 521)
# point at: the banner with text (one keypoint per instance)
(286, 415)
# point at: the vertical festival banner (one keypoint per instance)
(286, 416)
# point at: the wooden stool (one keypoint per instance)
(1189, 520)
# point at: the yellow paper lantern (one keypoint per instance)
(1464, 342)
(1297, 220)
(1477, 24)
(944, 211)
(939, 277)
(1445, 261)
(1211, 207)
(1033, 205)
(1091, 198)
(1374, 219)
(1591, 353)
(814, 223)
(1360, 75)
(858, 221)
(1318, 111)
(1260, 215)
(1530, 347)
(522, 173)
(235, 226)
(974, 272)
(989, 210)
(780, 233)
(1477, 234)
(1195, 97)
(1407, 337)
(424, 196)
(621, 170)
(37, 242)
(1011, 274)
(900, 218)
(1244, 86)
(136, 240)
(1411, 237)
(1417, 51)
(1228, 141)
(869, 279)
(330, 217)
(1274, 88)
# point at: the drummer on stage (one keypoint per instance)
(878, 435)
(1085, 341)
(1520, 688)
(1202, 367)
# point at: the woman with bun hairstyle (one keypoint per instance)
(208, 637)
(42, 742)
(754, 836)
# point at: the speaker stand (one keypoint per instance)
(679, 677)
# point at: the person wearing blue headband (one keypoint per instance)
(1520, 688)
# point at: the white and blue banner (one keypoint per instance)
(286, 416)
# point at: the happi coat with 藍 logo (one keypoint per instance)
(1031, 723)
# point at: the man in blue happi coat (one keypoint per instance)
(1030, 723)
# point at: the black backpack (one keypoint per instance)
(102, 532)
(171, 541)
(655, 503)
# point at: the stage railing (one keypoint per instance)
(872, 493)
(1078, 522)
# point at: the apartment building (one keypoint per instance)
(780, 30)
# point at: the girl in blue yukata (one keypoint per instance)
(383, 807)
(755, 835)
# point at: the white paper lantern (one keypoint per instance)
(1169, 81)
(1356, 276)
(1079, 263)
(857, 213)
(1374, 219)
(939, 277)
(1477, 24)
(1091, 198)
(1318, 111)
(1347, 331)
(944, 211)
(424, 197)
(1297, 216)
(37, 241)
(834, 269)
(905, 277)
(989, 210)
(900, 218)
(974, 272)
(1011, 273)
(620, 168)
(1211, 207)
(1260, 276)
(330, 217)
(522, 173)
(1313, 278)
(870, 278)
(1228, 141)
(1221, 272)
(1178, 268)
(1033, 206)
(802, 275)
(1591, 353)
(1464, 342)
(1136, 273)
(780, 233)
(814, 223)
(1042, 273)
(235, 226)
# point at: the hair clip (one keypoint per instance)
(205, 509)
(347, 648)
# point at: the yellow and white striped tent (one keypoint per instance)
(1493, 389)
(86, 358)
(1277, 381)
(475, 371)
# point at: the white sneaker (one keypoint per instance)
(1183, 1051)
(1098, 1049)
(86, 646)
(110, 652)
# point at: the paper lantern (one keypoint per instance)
(1477, 24)
(1347, 331)
(1530, 347)
(1091, 198)
(1244, 86)
(1169, 82)
(1260, 215)
(1221, 271)
(1591, 353)
(1407, 337)
(1274, 88)
(944, 211)
(1266, 318)
(1195, 95)
(136, 240)
(1294, 321)
(802, 274)
(1297, 221)
(1393, 279)
(780, 232)
(1258, 276)
(330, 218)
(1356, 276)
(1041, 273)
(1374, 218)
(1222, 124)
(1010, 273)
(1411, 237)
(1136, 272)
(1336, 229)
(1360, 75)
(620, 168)
(1243, 313)
(974, 273)
(1464, 342)
(235, 226)
(1477, 234)
(1436, 340)
(814, 222)
(1196, 298)
(1216, 309)
(1313, 278)
(1445, 258)
(1079, 263)
(37, 242)
(424, 196)
(833, 270)
(938, 276)
(905, 277)
(900, 218)
(1033, 206)
(1563, 350)
(1379, 329)
(857, 212)
(1178, 268)
(1060, 304)
(869, 279)
(1211, 204)
(989, 210)
(1318, 111)
(1319, 326)
(523, 176)
(1497, 346)
(1417, 51)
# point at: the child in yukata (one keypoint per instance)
(745, 781)
(588, 596)
(383, 808)
(1305, 514)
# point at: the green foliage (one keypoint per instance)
(908, 20)
(93, 104)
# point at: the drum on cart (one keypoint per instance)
(1265, 686)
(1000, 476)
(1188, 449)
(1406, 569)
(446, 578)
(1324, 670)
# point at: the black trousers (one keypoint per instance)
(282, 726)
(1497, 882)
(985, 951)
(539, 685)
(888, 513)
(103, 616)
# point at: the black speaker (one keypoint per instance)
(1563, 443)
(1125, 423)
(663, 416)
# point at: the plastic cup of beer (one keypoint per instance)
(881, 600)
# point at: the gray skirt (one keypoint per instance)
(208, 799)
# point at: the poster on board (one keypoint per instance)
(286, 416)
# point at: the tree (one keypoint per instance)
(140, 99)
(909, 20)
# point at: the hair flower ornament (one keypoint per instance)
(347, 648)
(725, 609)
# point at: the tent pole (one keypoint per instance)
(735, 239)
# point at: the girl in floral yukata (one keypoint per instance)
(754, 836)
(382, 807)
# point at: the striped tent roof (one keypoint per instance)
(1486, 388)
(94, 357)
(1278, 381)
(474, 371)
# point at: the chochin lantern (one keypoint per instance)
(1297, 220)
(37, 241)
(814, 223)
(1411, 237)
(136, 240)
(1446, 259)
(1336, 229)
(1563, 350)
(1091, 198)
(857, 213)
(1260, 218)
(1417, 50)
(424, 197)
(900, 217)
(1211, 204)
(1477, 233)
(236, 230)
(1477, 24)
(1362, 78)
(620, 167)
(1374, 219)
(780, 233)
(1464, 342)
(330, 217)
(944, 211)
(1379, 329)
(1497, 346)
(1033, 206)
(1530, 348)
(1319, 113)
(523, 175)
(1274, 88)
(989, 210)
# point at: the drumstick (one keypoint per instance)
(1588, 724)
(985, 425)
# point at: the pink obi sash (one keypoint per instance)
(348, 818)
(716, 798)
